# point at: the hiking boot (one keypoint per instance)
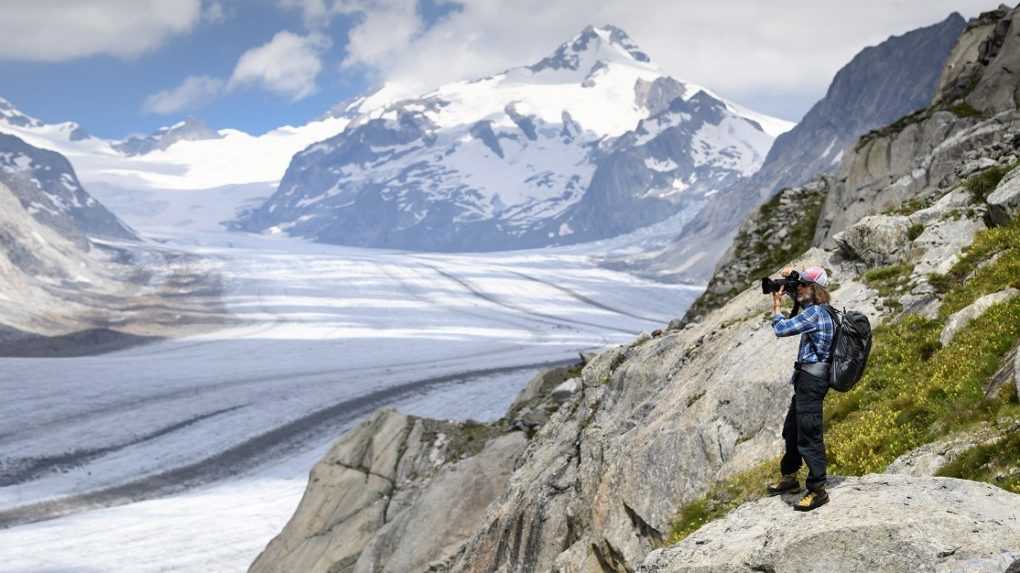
(788, 484)
(813, 500)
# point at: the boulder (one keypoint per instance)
(1004, 202)
(873, 523)
(877, 240)
(937, 248)
(564, 391)
(961, 318)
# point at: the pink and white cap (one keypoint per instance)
(815, 275)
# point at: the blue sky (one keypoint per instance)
(130, 66)
(106, 93)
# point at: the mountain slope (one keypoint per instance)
(879, 85)
(48, 188)
(590, 142)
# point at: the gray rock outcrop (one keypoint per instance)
(874, 523)
(372, 502)
(876, 240)
(958, 320)
(1004, 202)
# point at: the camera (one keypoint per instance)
(789, 284)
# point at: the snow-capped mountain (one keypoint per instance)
(67, 131)
(48, 189)
(190, 129)
(592, 141)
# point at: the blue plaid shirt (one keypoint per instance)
(816, 329)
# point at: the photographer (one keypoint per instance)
(802, 430)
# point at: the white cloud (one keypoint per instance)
(385, 31)
(60, 30)
(193, 92)
(288, 64)
(741, 48)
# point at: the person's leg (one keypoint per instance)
(810, 393)
(792, 460)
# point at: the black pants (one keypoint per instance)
(803, 429)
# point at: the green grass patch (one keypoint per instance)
(915, 230)
(891, 282)
(908, 207)
(997, 463)
(723, 498)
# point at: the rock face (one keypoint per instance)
(372, 502)
(880, 84)
(935, 147)
(591, 142)
(47, 187)
(873, 523)
(876, 240)
(1004, 202)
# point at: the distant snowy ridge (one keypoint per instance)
(590, 142)
(185, 156)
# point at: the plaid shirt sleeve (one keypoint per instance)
(803, 323)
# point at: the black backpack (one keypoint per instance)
(851, 346)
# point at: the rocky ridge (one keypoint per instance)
(655, 424)
(190, 129)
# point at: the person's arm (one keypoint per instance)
(802, 323)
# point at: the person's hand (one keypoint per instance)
(777, 301)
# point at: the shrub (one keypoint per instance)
(981, 185)
(964, 109)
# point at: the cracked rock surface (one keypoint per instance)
(873, 523)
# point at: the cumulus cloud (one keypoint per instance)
(741, 48)
(288, 65)
(193, 92)
(386, 30)
(59, 30)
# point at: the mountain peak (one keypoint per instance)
(594, 44)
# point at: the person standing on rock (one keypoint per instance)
(802, 430)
